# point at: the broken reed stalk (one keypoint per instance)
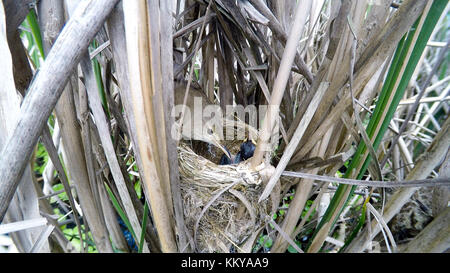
(45, 91)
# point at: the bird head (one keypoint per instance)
(247, 149)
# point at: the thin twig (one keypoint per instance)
(285, 236)
(382, 184)
(381, 221)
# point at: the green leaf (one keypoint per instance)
(121, 213)
(35, 31)
(144, 224)
(265, 241)
(101, 89)
(291, 249)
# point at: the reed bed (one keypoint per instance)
(359, 89)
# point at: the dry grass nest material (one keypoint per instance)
(221, 201)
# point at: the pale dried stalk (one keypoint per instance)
(402, 23)
(383, 227)
(434, 182)
(102, 126)
(45, 90)
(375, 55)
(168, 103)
(24, 203)
(279, 32)
(116, 30)
(334, 75)
(298, 204)
(272, 113)
(135, 14)
(289, 151)
(51, 20)
(158, 96)
(77, 165)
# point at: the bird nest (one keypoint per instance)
(221, 205)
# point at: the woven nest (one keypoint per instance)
(221, 206)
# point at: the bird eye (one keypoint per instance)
(210, 131)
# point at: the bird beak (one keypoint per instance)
(220, 146)
(215, 140)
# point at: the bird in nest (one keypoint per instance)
(246, 151)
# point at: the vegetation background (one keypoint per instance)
(87, 161)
